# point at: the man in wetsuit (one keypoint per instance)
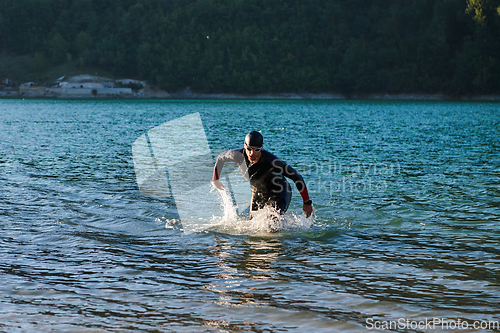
(266, 174)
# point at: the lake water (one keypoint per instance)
(406, 224)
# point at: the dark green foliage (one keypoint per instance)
(38, 63)
(255, 46)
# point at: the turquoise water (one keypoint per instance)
(406, 224)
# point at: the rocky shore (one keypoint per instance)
(87, 86)
(94, 87)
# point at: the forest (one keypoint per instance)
(267, 46)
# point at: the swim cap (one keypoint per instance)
(254, 139)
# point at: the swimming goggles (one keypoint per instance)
(252, 148)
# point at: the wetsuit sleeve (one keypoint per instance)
(230, 155)
(293, 174)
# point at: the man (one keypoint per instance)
(266, 174)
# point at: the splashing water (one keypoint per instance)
(230, 210)
(262, 222)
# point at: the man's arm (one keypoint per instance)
(294, 175)
(230, 155)
(219, 164)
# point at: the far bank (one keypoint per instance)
(97, 87)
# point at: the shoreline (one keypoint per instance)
(85, 86)
(338, 96)
(48, 93)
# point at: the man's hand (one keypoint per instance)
(218, 185)
(308, 209)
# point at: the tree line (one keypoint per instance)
(255, 46)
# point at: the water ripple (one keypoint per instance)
(405, 226)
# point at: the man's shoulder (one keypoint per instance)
(270, 156)
(236, 155)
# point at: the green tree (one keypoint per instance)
(38, 63)
(83, 42)
(57, 48)
(483, 10)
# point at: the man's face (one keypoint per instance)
(252, 153)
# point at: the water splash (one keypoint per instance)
(230, 210)
(263, 222)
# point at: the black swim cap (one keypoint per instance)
(254, 139)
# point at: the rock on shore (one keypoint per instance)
(89, 86)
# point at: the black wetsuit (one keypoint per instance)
(267, 178)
